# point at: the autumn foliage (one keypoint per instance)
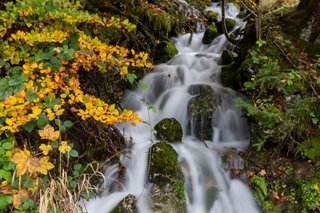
(44, 44)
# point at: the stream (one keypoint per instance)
(209, 187)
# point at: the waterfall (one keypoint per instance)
(208, 185)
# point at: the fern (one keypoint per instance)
(260, 188)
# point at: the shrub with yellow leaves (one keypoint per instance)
(45, 47)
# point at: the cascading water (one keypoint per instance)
(208, 186)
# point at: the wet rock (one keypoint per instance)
(169, 129)
(198, 89)
(230, 24)
(163, 163)
(164, 51)
(210, 34)
(165, 199)
(200, 110)
(226, 57)
(212, 16)
(230, 76)
(127, 205)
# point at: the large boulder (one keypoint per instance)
(167, 192)
(127, 205)
(210, 34)
(163, 163)
(169, 129)
(164, 51)
(200, 111)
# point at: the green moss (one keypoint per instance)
(210, 33)
(169, 129)
(230, 23)
(164, 51)
(164, 163)
(212, 16)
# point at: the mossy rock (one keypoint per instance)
(212, 17)
(164, 51)
(200, 111)
(163, 163)
(230, 77)
(169, 129)
(230, 24)
(165, 199)
(210, 34)
(127, 205)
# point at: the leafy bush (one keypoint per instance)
(45, 45)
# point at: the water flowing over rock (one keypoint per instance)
(200, 110)
(186, 85)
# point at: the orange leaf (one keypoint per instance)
(16, 201)
(48, 133)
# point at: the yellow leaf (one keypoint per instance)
(45, 148)
(48, 133)
(63, 148)
(25, 162)
(45, 165)
(17, 197)
(9, 121)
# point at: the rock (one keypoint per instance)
(226, 57)
(165, 199)
(127, 205)
(200, 110)
(163, 163)
(230, 24)
(198, 89)
(164, 51)
(230, 77)
(212, 16)
(169, 129)
(210, 34)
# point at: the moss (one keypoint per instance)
(164, 163)
(212, 16)
(230, 23)
(164, 51)
(210, 33)
(169, 130)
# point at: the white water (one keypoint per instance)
(208, 186)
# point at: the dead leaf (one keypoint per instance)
(16, 200)
(262, 173)
(48, 133)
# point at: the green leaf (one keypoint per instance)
(5, 200)
(55, 144)
(26, 204)
(42, 121)
(77, 167)
(7, 145)
(5, 174)
(152, 108)
(4, 84)
(74, 153)
(30, 125)
(55, 63)
(143, 85)
(73, 41)
(131, 77)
